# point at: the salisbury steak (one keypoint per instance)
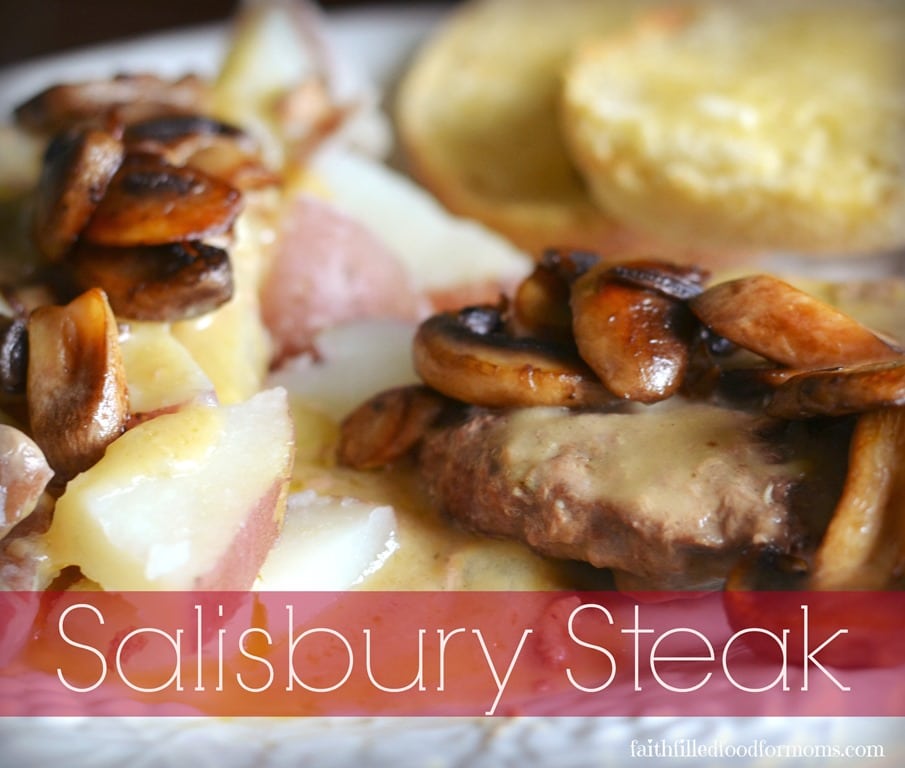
(667, 496)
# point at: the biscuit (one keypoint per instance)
(763, 126)
(477, 119)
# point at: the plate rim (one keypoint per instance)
(200, 47)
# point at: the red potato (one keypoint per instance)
(161, 374)
(24, 474)
(25, 561)
(329, 269)
(187, 500)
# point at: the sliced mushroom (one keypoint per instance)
(638, 342)
(753, 384)
(677, 281)
(24, 474)
(569, 263)
(468, 356)
(840, 391)
(76, 386)
(387, 426)
(150, 202)
(232, 164)
(161, 283)
(864, 546)
(783, 324)
(540, 306)
(218, 149)
(13, 355)
(77, 170)
(126, 98)
(178, 137)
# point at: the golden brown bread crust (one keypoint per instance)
(478, 122)
(769, 126)
(500, 116)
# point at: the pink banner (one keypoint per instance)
(452, 653)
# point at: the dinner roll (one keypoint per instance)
(477, 117)
(763, 125)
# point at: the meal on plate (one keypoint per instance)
(241, 350)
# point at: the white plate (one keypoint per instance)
(378, 42)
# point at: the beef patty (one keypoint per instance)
(668, 497)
